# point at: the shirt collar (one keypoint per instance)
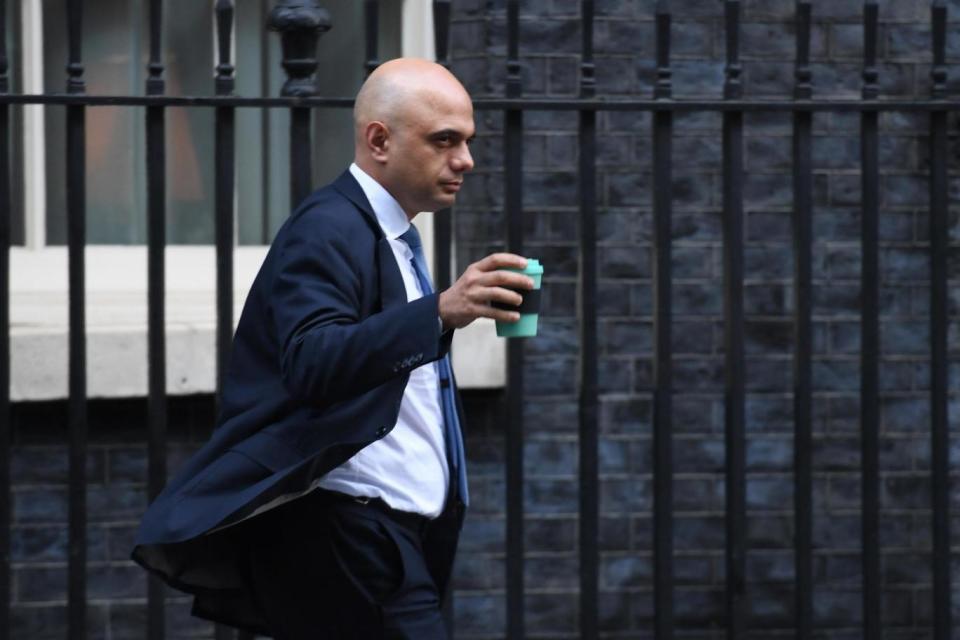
(390, 214)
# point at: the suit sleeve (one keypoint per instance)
(328, 353)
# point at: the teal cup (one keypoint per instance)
(526, 327)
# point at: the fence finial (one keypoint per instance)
(441, 31)
(938, 72)
(588, 82)
(155, 83)
(224, 12)
(371, 20)
(733, 88)
(664, 84)
(513, 49)
(871, 88)
(75, 81)
(4, 64)
(300, 24)
(802, 89)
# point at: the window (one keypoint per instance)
(115, 53)
(115, 49)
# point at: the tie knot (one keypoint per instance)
(412, 237)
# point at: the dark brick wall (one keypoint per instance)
(116, 498)
(624, 42)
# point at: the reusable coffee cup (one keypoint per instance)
(529, 310)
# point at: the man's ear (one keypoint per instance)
(378, 140)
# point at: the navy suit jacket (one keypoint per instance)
(320, 360)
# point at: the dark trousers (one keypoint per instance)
(326, 566)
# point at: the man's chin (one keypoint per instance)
(443, 202)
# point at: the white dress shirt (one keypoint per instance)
(407, 468)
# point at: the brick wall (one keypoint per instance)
(116, 498)
(624, 42)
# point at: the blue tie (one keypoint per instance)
(448, 402)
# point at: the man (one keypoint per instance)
(328, 501)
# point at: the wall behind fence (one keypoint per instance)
(550, 63)
(625, 67)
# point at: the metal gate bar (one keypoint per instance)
(870, 330)
(735, 371)
(224, 225)
(663, 319)
(224, 156)
(513, 208)
(442, 220)
(76, 244)
(802, 220)
(6, 202)
(156, 288)
(589, 353)
(939, 317)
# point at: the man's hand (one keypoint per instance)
(482, 283)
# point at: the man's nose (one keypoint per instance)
(463, 161)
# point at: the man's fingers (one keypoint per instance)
(506, 279)
(486, 311)
(496, 294)
(501, 261)
(487, 281)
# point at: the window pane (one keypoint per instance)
(115, 50)
(188, 56)
(341, 72)
(115, 54)
(114, 149)
(251, 182)
(262, 143)
(263, 148)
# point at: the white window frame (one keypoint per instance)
(116, 281)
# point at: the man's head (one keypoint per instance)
(413, 121)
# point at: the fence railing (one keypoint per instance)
(300, 24)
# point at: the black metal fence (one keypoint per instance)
(300, 24)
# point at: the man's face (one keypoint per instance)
(429, 152)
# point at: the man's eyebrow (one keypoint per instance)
(447, 132)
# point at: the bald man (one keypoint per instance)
(329, 500)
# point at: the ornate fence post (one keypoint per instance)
(300, 24)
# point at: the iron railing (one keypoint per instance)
(300, 24)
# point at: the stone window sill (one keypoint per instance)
(116, 313)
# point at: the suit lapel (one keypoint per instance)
(392, 290)
(350, 188)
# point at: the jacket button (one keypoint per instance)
(382, 431)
